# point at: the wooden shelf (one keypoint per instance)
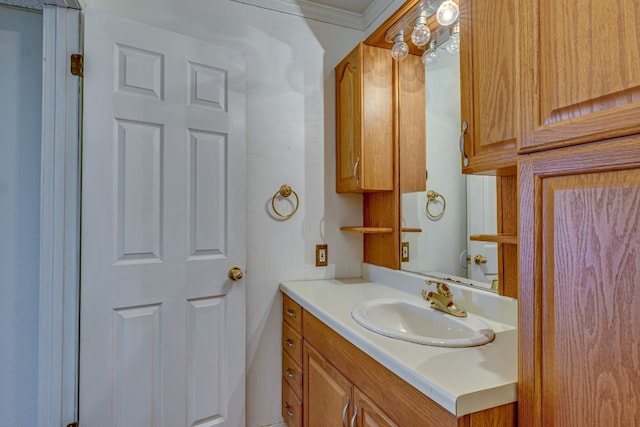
(510, 239)
(368, 230)
(411, 230)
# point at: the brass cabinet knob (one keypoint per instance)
(480, 259)
(235, 273)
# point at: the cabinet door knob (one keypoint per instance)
(290, 343)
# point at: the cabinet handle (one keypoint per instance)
(353, 419)
(465, 159)
(288, 411)
(290, 343)
(355, 172)
(344, 412)
(290, 373)
(291, 313)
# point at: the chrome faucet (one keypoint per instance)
(441, 299)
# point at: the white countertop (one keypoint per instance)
(461, 380)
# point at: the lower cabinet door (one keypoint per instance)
(367, 414)
(327, 393)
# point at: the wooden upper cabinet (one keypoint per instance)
(412, 132)
(364, 121)
(489, 84)
(580, 71)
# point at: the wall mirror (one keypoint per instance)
(458, 205)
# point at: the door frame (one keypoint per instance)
(59, 217)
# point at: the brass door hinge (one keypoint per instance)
(77, 65)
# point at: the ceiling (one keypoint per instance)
(356, 14)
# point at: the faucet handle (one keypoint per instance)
(442, 288)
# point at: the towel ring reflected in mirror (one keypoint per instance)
(285, 191)
(432, 198)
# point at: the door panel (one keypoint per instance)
(579, 274)
(590, 298)
(583, 83)
(162, 325)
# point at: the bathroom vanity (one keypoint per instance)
(336, 372)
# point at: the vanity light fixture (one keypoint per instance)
(415, 20)
(454, 39)
(400, 49)
(421, 33)
(447, 13)
(430, 56)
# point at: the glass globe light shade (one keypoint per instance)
(400, 49)
(447, 13)
(430, 56)
(421, 33)
(454, 44)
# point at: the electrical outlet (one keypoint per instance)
(405, 251)
(321, 255)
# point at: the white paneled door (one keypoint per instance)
(162, 338)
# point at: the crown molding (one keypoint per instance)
(375, 9)
(323, 13)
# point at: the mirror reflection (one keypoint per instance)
(454, 206)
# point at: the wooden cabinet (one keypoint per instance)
(368, 414)
(380, 107)
(489, 85)
(292, 374)
(327, 392)
(335, 369)
(580, 293)
(579, 71)
(332, 400)
(364, 121)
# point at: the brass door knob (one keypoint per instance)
(235, 273)
(480, 259)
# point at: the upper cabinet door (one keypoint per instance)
(489, 85)
(580, 71)
(364, 121)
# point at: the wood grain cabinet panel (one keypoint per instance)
(364, 121)
(580, 71)
(291, 407)
(369, 414)
(489, 84)
(327, 393)
(580, 293)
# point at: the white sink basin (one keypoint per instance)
(417, 322)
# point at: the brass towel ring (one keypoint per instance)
(285, 191)
(431, 197)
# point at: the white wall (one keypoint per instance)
(20, 118)
(439, 245)
(290, 139)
